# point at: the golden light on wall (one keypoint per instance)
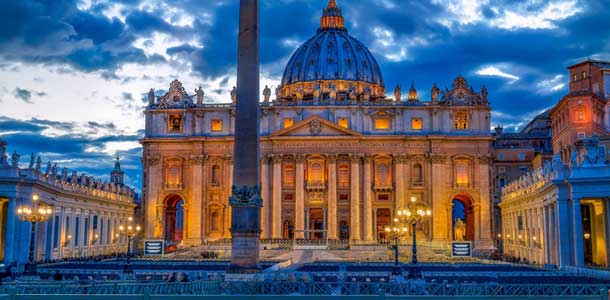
(461, 173)
(216, 125)
(416, 124)
(174, 123)
(382, 124)
(343, 122)
(460, 120)
(288, 122)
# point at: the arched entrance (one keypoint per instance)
(344, 230)
(174, 218)
(288, 232)
(383, 220)
(316, 222)
(462, 209)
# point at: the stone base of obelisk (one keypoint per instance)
(244, 253)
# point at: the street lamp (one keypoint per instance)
(37, 213)
(130, 231)
(415, 213)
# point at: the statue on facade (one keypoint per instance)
(397, 93)
(54, 170)
(352, 93)
(434, 93)
(459, 230)
(300, 93)
(234, 95)
(38, 163)
(278, 93)
(64, 174)
(200, 93)
(367, 94)
(3, 159)
(48, 171)
(574, 158)
(15, 159)
(151, 97)
(266, 94)
(332, 92)
(32, 161)
(484, 94)
(317, 91)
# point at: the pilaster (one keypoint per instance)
(332, 198)
(355, 197)
(299, 198)
(368, 201)
(277, 197)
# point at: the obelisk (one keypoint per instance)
(246, 199)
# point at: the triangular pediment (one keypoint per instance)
(315, 126)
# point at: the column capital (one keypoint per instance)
(299, 158)
(436, 157)
(355, 157)
(332, 158)
(277, 158)
(228, 157)
(400, 158)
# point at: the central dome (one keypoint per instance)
(334, 61)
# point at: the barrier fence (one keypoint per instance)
(306, 288)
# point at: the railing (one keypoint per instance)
(308, 288)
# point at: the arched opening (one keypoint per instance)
(174, 218)
(316, 222)
(382, 172)
(288, 230)
(383, 220)
(462, 213)
(594, 220)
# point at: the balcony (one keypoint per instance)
(315, 185)
(383, 186)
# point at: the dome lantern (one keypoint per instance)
(332, 17)
(413, 93)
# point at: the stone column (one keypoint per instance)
(299, 206)
(355, 198)
(193, 218)
(441, 207)
(228, 179)
(368, 201)
(564, 236)
(332, 198)
(399, 179)
(484, 239)
(577, 232)
(277, 197)
(266, 216)
(246, 199)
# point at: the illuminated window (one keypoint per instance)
(460, 120)
(343, 122)
(289, 175)
(461, 173)
(382, 124)
(584, 74)
(416, 123)
(175, 123)
(343, 175)
(580, 115)
(216, 125)
(575, 77)
(288, 122)
(316, 173)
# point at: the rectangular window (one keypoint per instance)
(343, 122)
(501, 169)
(343, 197)
(94, 222)
(460, 120)
(416, 124)
(56, 232)
(383, 197)
(108, 231)
(523, 169)
(101, 232)
(288, 197)
(461, 173)
(216, 125)
(76, 231)
(86, 233)
(175, 123)
(520, 222)
(382, 124)
(288, 122)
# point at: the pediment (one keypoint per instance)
(315, 126)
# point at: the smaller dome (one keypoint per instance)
(413, 93)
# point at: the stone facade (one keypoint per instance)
(86, 211)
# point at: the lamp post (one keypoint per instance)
(415, 213)
(130, 231)
(37, 213)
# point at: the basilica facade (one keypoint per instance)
(338, 157)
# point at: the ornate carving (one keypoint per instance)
(277, 158)
(437, 157)
(315, 127)
(197, 159)
(462, 94)
(332, 158)
(299, 158)
(153, 159)
(199, 113)
(355, 158)
(246, 196)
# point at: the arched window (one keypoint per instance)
(216, 175)
(418, 175)
(461, 173)
(343, 174)
(382, 173)
(289, 174)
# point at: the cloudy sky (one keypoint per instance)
(73, 73)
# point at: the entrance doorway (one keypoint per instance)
(463, 210)
(174, 218)
(383, 220)
(316, 222)
(288, 230)
(594, 232)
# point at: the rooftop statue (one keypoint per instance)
(333, 92)
(353, 96)
(38, 163)
(266, 94)
(3, 159)
(435, 93)
(32, 161)
(151, 97)
(234, 95)
(366, 96)
(317, 91)
(278, 93)
(397, 93)
(48, 168)
(15, 159)
(200, 93)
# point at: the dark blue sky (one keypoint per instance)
(73, 73)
